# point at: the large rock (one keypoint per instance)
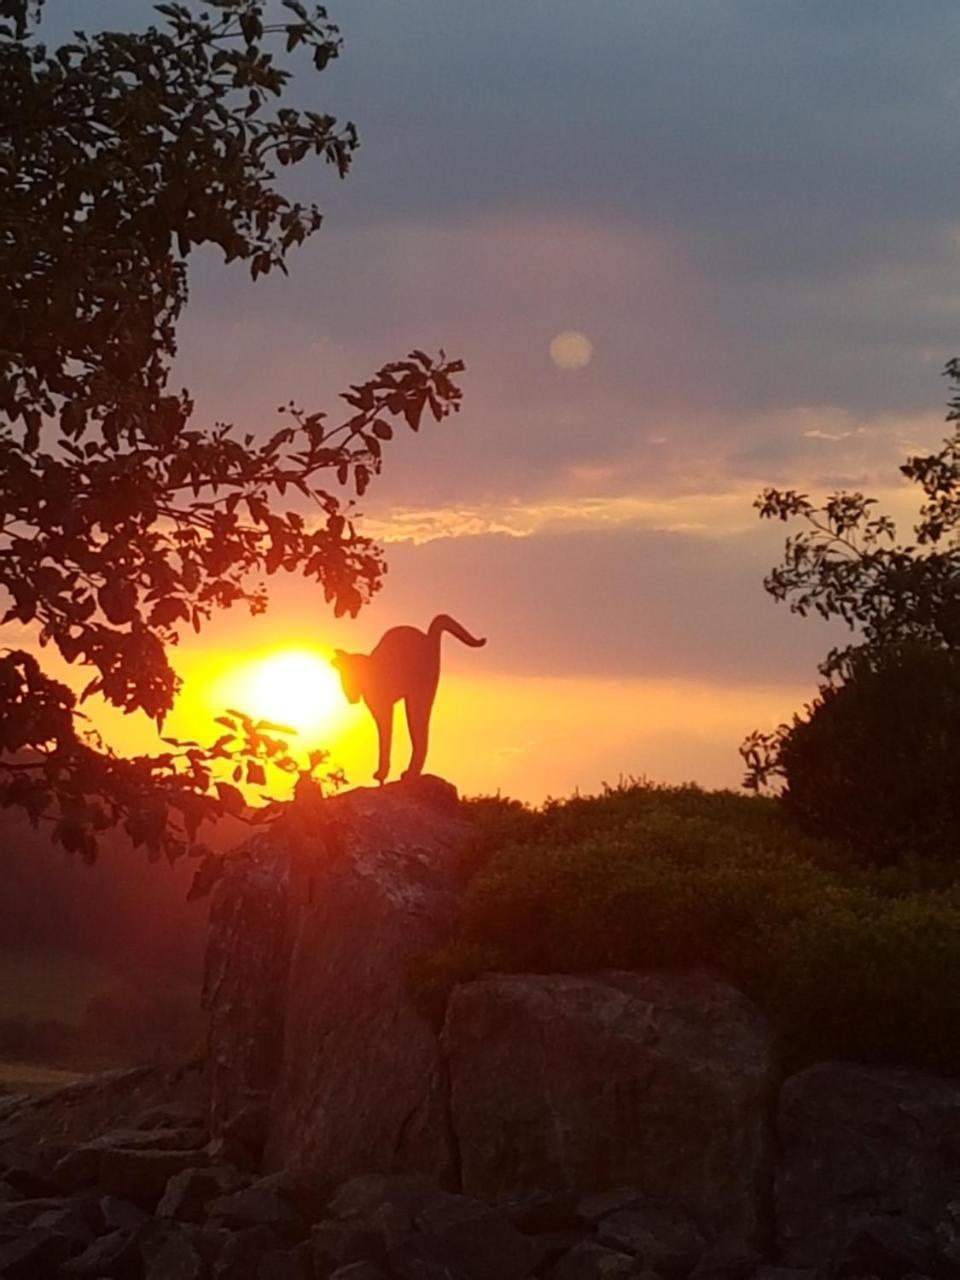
(859, 1144)
(660, 1083)
(97, 1103)
(313, 1035)
(244, 987)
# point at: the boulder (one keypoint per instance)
(369, 1216)
(33, 1255)
(71, 1222)
(888, 1247)
(358, 1271)
(265, 1203)
(860, 1144)
(240, 1256)
(655, 1082)
(244, 987)
(142, 1176)
(187, 1193)
(665, 1241)
(168, 1253)
(99, 1103)
(465, 1240)
(120, 1215)
(282, 1264)
(534, 1210)
(312, 930)
(80, 1166)
(405, 1196)
(591, 1261)
(109, 1255)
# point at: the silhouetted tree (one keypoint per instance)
(875, 758)
(122, 522)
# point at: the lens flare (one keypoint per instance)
(571, 350)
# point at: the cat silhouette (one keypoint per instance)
(405, 665)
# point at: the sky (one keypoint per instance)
(750, 212)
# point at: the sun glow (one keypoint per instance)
(293, 687)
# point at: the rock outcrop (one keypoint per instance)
(869, 1170)
(317, 1052)
(574, 1127)
(660, 1083)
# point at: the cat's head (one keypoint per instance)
(350, 669)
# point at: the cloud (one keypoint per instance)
(603, 603)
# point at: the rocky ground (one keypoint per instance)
(610, 1126)
(156, 1199)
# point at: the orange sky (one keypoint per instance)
(686, 252)
(523, 736)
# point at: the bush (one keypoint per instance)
(846, 960)
(872, 979)
(661, 892)
(876, 760)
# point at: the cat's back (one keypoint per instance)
(398, 643)
(403, 662)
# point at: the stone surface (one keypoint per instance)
(889, 1248)
(307, 984)
(120, 1215)
(107, 1256)
(240, 1256)
(188, 1193)
(142, 1176)
(591, 1261)
(70, 1222)
(665, 1241)
(465, 1240)
(788, 1273)
(658, 1082)
(858, 1142)
(534, 1210)
(405, 1195)
(80, 1166)
(244, 986)
(98, 1103)
(281, 1264)
(264, 1203)
(33, 1255)
(170, 1254)
(358, 1271)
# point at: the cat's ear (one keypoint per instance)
(337, 659)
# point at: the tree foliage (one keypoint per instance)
(873, 759)
(123, 523)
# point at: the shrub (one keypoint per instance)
(873, 979)
(661, 891)
(876, 760)
(847, 960)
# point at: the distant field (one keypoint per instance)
(49, 984)
(22, 1077)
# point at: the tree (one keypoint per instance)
(878, 740)
(122, 522)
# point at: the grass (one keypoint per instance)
(25, 1077)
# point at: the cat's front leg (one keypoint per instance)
(384, 718)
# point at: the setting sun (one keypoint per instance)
(295, 688)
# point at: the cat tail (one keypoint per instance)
(443, 622)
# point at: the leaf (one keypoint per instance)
(231, 798)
